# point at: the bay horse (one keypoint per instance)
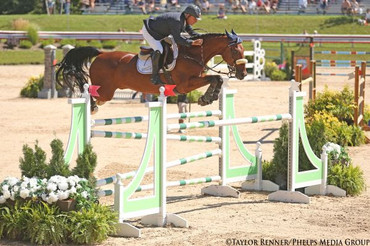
(117, 69)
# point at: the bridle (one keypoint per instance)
(232, 68)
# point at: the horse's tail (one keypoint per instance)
(74, 67)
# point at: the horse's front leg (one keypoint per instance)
(213, 90)
(218, 86)
(214, 81)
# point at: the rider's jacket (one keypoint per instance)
(173, 23)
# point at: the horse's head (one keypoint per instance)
(234, 55)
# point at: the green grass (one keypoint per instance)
(277, 24)
(252, 24)
(16, 57)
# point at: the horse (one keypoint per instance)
(117, 69)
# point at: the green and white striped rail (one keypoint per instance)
(193, 158)
(174, 163)
(229, 122)
(103, 193)
(126, 135)
(184, 182)
(136, 119)
(137, 135)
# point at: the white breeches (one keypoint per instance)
(153, 43)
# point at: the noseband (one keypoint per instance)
(232, 68)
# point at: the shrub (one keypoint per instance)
(349, 178)
(13, 221)
(367, 114)
(276, 171)
(34, 162)
(339, 104)
(335, 110)
(46, 225)
(270, 67)
(336, 131)
(194, 96)
(67, 41)
(92, 225)
(81, 43)
(20, 24)
(33, 86)
(86, 163)
(25, 44)
(341, 171)
(32, 34)
(57, 165)
(46, 42)
(109, 44)
(278, 75)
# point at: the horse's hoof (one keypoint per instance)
(202, 101)
(94, 109)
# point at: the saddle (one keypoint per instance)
(167, 60)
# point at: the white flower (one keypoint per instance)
(2, 199)
(44, 197)
(12, 196)
(74, 179)
(6, 194)
(52, 198)
(63, 186)
(51, 187)
(16, 188)
(72, 190)
(5, 187)
(12, 181)
(84, 194)
(35, 188)
(33, 182)
(62, 195)
(24, 193)
(332, 147)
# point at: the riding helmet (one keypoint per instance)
(193, 10)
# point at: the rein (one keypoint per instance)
(232, 69)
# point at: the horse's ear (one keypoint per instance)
(227, 34)
(232, 31)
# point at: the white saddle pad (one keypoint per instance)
(145, 66)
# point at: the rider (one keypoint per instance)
(172, 23)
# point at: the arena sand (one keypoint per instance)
(212, 220)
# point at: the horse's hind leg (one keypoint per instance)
(93, 107)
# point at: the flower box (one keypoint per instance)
(66, 205)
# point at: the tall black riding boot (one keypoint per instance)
(155, 68)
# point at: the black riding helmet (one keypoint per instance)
(193, 10)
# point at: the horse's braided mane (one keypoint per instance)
(208, 35)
